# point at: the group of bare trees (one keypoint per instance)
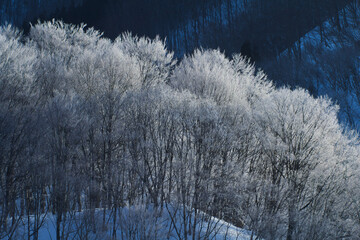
(91, 128)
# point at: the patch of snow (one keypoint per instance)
(135, 222)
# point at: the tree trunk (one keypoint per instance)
(291, 218)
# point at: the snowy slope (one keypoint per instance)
(133, 223)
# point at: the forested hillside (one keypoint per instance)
(21, 12)
(90, 125)
(326, 61)
(257, 28)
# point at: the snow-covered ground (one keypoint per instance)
(133, 223)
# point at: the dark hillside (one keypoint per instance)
(259, 29)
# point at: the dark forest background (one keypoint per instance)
(257, 28)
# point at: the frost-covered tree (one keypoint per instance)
(59, 45)
(17, 102)
(299, 137)
(116, 125)
(155, 62)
